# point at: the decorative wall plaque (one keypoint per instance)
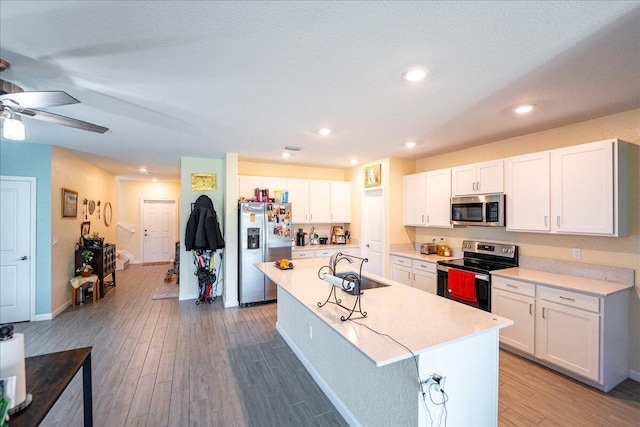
(203, 181)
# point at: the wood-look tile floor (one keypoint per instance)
(175, 363)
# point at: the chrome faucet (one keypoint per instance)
(335, 259)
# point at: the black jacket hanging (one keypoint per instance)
(203, 229)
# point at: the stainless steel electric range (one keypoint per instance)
(480, 258)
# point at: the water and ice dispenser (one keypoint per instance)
(253, 238)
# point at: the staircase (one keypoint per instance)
(122, 262)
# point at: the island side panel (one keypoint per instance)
(469, 369)
(363, 393)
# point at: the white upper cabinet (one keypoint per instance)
(438, 200)
(299, 199)
(528, 192)
(427, 199)
(589, 193)
(415, 199)
(340, 201)
(246, 185)
(319, 201)
(478, 178)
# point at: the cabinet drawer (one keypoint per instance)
(398, 260)
(424, 265)
(515, 286)
(325, 253)
(569, 298)
(303, 254)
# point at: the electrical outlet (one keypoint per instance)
(577, 253)
(55, 240)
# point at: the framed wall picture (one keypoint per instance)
(85, 228)
(372, 176)
(69, 203)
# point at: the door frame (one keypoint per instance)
(364, 222)
(33, 182)
(176, 231)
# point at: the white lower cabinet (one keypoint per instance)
(401, 270)
(425, 276)
(323, 253)
(569, 338)
(515, 300)
(303, 254)
(416, 273)
(574, 332)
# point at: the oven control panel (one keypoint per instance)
(496, 249)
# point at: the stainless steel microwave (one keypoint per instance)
(486, 210)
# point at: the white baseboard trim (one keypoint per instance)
(60, 309)
(231, 304)
(135, 262)
(125, 254)
(344, 411)
(186, 297)
(41, 317)
(634, 375)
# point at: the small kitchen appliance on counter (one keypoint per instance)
(480, 258)
(428, 248)
(338, 236)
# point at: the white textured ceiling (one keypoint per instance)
(199, 79)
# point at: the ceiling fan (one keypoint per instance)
(15, 102)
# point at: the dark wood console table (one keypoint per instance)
(47, 376)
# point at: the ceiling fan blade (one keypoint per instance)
(62, 120)
(40, 99)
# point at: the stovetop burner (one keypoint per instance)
(483, 257)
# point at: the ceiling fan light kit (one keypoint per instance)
(13, 128)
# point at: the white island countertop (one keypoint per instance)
(419, 320)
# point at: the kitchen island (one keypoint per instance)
(375, 381)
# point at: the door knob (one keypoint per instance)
(24, 258)
(367, 245)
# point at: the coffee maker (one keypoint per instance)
(300, 237)
(338, 236)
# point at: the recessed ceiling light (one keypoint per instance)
(286, 155)
(410, 144)
(415, 74)
(524, 109)
(325, 131)
(143, 170)
(354, 162)
(155, 180)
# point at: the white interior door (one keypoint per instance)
(158, 225)
(373, 231)
(17, 249)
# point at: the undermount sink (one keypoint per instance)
(365, 282)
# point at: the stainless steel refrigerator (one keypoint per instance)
(265, 235)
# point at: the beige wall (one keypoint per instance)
(127, 210)
(279, 170)
(91, 182)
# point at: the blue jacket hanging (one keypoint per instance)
(203, 228)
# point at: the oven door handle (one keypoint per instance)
(478, 276)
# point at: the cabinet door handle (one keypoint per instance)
(546, 218)
(567, 298)
(422, 218)
(543, 312)
(414, 276)
(474, 186)
(512, 286)
(530, 308)
(427, 218)
(310, 217)
(558, 220)
(478, 186)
